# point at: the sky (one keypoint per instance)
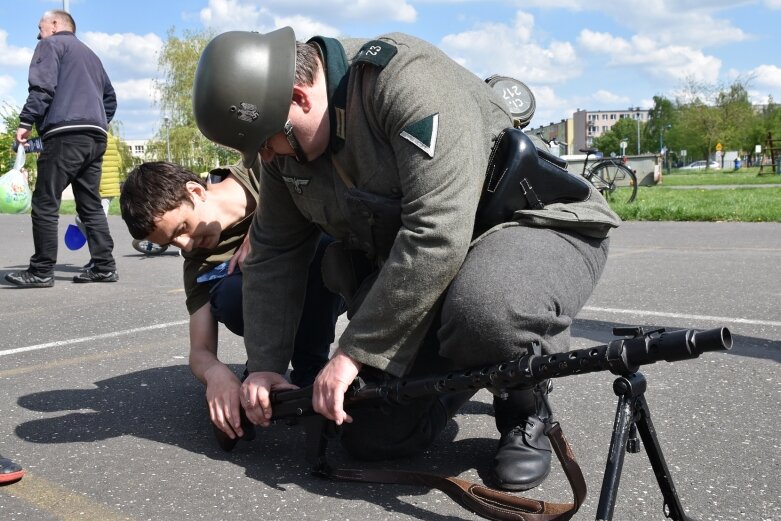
(573, 54)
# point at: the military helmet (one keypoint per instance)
(243, 88)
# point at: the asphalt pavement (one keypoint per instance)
(103, 413)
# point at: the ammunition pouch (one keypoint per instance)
(374, 222)
(521, 176)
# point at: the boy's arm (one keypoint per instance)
(222, 385)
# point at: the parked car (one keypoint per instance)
(700, 165)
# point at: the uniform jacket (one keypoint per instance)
(416, 126)
(68, 88)
(201, 260)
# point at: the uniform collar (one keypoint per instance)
(337, 73)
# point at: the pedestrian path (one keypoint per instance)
(720, 187)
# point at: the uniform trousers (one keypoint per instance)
(518, 285)
(75, 159)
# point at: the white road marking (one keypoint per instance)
(60, 343)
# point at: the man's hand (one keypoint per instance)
(22, 134)
(239, 255)
(331, 384)
(222, 395)
(255, 393)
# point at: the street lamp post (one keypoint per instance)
(638, 134)
(665, 155)
(167, 141)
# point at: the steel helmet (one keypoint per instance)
(243, 87)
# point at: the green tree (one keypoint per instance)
(738, 117)
(177, 63)
(625, 128)
(661, 119)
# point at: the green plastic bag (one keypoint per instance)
(15, 193)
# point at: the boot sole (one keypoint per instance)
(33, 285)
(11, 477)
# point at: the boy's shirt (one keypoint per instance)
(200, 261)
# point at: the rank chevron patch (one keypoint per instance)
(423, 134)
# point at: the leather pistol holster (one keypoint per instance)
(521, 176)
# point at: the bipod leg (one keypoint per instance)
(633, 415)
(672, 504)
(626, 389)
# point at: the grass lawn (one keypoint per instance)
(745, 176)
(657, 203)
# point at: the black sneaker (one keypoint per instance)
(91, 275)
(26, 279)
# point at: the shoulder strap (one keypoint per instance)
(485, 501)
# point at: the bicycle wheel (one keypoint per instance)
(615, 181)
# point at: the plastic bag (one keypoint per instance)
(15, 193)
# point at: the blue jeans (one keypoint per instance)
(315, 331)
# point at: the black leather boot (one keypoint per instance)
(523, 458)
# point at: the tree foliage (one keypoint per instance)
(609, 143)
(178, 133)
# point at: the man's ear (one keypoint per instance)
(301, 98)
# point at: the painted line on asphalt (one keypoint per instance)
(709, 318)
(115, 334)
(60, 502)
(60, 343)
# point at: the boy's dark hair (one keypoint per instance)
(152, 189)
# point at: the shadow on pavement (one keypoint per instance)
(602, 332)
(166, 405)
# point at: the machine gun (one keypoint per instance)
(622, 357)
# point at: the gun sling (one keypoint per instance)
(484, 501)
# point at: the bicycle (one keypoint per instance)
(609, 175)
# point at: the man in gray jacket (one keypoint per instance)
(385, 145)
(71, 102)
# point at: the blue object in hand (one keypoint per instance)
(74, 239)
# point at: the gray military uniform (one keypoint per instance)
(409, 123)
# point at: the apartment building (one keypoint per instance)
(586, 125)
(138, 148)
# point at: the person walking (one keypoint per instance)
(71, 102)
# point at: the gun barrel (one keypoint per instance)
(675, 345)
(719, 339)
